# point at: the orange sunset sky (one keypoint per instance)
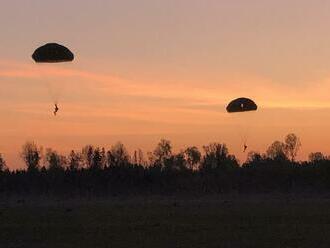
(152, 69)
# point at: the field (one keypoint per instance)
(166, 222)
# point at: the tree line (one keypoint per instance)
(97, 171)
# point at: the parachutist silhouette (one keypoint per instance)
(56, 109)
(242, 104)
(53, 53)
(245, 147)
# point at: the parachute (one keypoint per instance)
(49, 55)
(241, 105)
(52, 53)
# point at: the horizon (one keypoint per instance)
(44, 162)
(148, 70)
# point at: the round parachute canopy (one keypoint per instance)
(52, 53)
(241, 105)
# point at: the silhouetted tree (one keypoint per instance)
(315, 157)
(151, 159)
(113, 172)
(134, 159)
(176, 162)
(217, 157)
(255, 159)
(193, 157)
(87, 155)
(103, 158)
(97, 159)
(54, 160)
(118, 156)
(162, 152)
(292, 145)
(31, 154)
(138, 158)
(74, 161)
(277, 151)
(3, 165)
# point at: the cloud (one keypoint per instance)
(180, 95)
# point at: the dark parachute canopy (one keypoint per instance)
(241, 105)
(52, 53)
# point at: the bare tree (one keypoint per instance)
(218, 150)
(176, 162)
(118, 155)
(217, 156)
(138, 157)
(193, 157)
(277, 150)
(151, 159)
(315, 157)
(292, 145)
(31, 154)
(87, 155)
(97, 159)
(54, 160)
(254, 157)
(74, 160)
(103, 158)
(162, 152)
(3, 165)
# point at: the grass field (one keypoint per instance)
(166, 222)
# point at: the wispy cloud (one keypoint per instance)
(194, 95)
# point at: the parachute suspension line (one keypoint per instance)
(244, 130)
(52, 86)
(53, 92)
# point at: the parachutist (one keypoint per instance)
(53, 53)
(245, 147)
(242, 104)
(56, 109)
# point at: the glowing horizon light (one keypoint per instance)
(147, 70)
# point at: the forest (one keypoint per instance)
(95, 171)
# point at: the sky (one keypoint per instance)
(151, 69)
